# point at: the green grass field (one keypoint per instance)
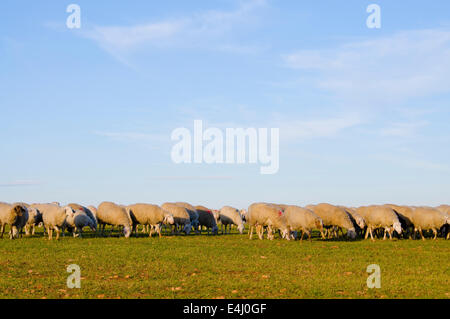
(224, 266)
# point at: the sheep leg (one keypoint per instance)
(301, 238)
(435, 233)
(250, 231)
(371, 235)
(57, 233)
(158, 229)
(2, 231)
(367, 233)
(259, 230)
(420, 232)
(50, 233)
(150, 232)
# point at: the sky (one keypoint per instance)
(87, 114)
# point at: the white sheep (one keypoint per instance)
(383, 217)
(34, 218)
(150, 215)
(87, 211)
(262, 215)
(180, 215)
(333, 216)
(304, 220)
(428, 218)
(77, 220)
(14, 215)
(231, 216)
(54, 218)
(192, 214)
(109, 213)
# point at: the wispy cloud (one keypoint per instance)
(415, 163)
(381, 72)
(403, 129)
(20, 183)
(134, 136)
(192, 178)
(317, 128)
(207, 30)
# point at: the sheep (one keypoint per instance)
(87, 211)
(206, 218)
(93, 211)
(334, 216)
(34, 218)
(14, 215)
(231, 216)
(263, 214)
(359, 220)
(304, 220)
(192, 214)
(54, 218)
(151, 215)
(77, 220)
(109, 213)
(405, 216)
(445, 229)
(380, 217)
(180, 215)
(428, 218)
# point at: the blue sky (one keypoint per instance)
(87, 113)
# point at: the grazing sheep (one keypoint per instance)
(77, 220)
(150, 215)
(261, 215)
(380, 217)
(109, 213)
(333, 216)
(428, 218)
(445, 229)
(34, 218)
(87, 211)
(53, 217)
(192, 214)
(207, 219)
(304, 220)
(15, 215)
(231, 216)
(359, 220)
(180, 215)
(405, 216)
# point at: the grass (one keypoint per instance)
(224, 266)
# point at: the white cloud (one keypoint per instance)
(208, 30)
(403, 129)
(134, 136)
(415, 163)
(19, 183)
(192, 178)
(383, 71)
(317, 128)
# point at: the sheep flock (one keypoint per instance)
(267, 220)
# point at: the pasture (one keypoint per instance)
(223, 266)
